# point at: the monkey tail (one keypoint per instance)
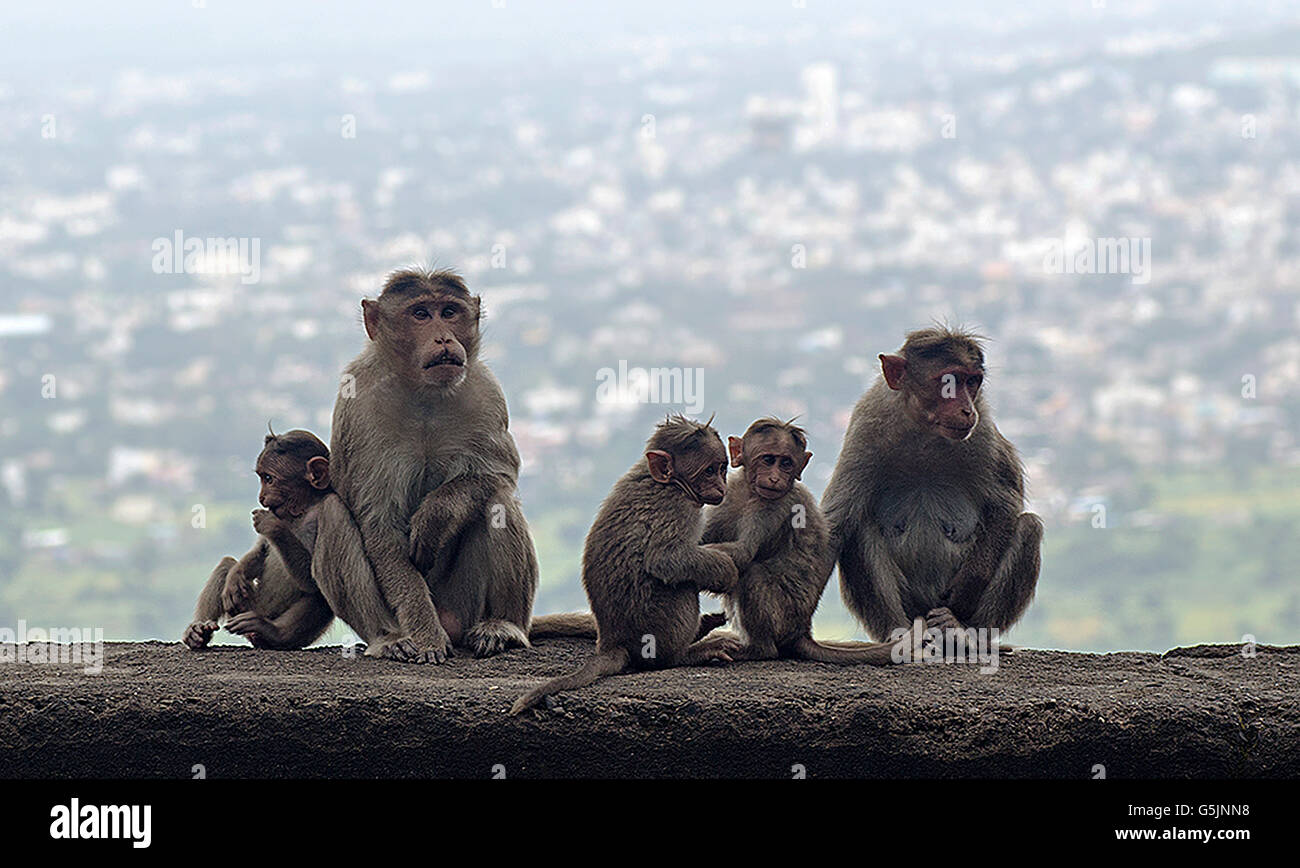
(597, 666)
(570, 625)
(844, 653)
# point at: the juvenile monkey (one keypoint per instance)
(772, 523)
(268, 595)
(926, 505)
(643, 566)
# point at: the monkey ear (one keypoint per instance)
(370, 314)
(807, 456)
(736, 447)
(661, 465)
(892, 367)
(318, 472)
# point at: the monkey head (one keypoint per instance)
(294, 470)
(773, 455)
(689, 455)
(427, 324)
(939, 371)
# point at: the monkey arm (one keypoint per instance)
(870, 583)
(972, 579)
(295, 556)
(404, 588)
(998, 522)
(702, 565)
(446, 511)
(237, 592)
(296, 627)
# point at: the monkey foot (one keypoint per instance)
(406, 651)
(492, 637)
(719, 649)
(199, 634)
(942, 619)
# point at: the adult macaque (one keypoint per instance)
(424, 462)
(268, 595)
(772, 523)
(643, 566)
(926, 505)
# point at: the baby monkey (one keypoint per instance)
(268, 596)
(643, 566)
(770, 523)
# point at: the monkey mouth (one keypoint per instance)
(770, 493)
(445, 359)
(958, 432)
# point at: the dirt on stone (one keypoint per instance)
(158, 709)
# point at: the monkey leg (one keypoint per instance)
(347, 581)
(490, 587)
(208, 610)
(870, 584)
(1014, 581)
(710, 621)
(296, 627)
(756, 650)
(714, 649)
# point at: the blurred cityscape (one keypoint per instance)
(768, 202)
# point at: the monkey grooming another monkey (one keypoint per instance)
(643, 566)
(268, 595)
(777, 529)
(926, 504)
(423, 460)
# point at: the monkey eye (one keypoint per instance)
(974, 383)
(450, 311)
(267, 478)
(420, 312)
(786, 464)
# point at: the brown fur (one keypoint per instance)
(774, 522)
(643, 566)
(268, 595)
(928, 520)
(429, 548)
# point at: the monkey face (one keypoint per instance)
(953, 408)
(710, 481)
(773, 463)
(700, 471)
(289, 486)
(432, 335)
(939, 393)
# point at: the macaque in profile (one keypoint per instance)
(268, 595)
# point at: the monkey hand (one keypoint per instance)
(256, 629)
(199, 634)
(267, 524)
(237, 594)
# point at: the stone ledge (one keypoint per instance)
(156, 710)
